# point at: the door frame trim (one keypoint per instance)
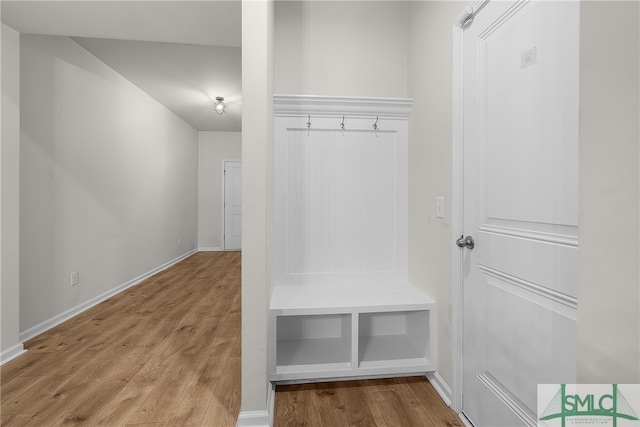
(458, 197)
(223, 231)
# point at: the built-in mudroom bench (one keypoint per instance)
(342, 306)
(369, 330)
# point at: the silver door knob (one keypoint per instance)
(463, 242)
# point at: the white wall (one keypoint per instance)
(609, 276)
(257, 205)
(10, 190)
(341, 48)
(108, 179)
(213, 148)
(430, 161)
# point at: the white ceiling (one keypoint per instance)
(182, 77)
(179, 52)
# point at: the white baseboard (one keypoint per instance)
(11, 353)
(465, 421)
(271, 402)
(62, 317)
(446, 394)
(441, 387)
(254, 419)
(209, 249)
(260, 418)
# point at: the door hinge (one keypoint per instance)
(465, 19)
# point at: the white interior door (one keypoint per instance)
(232, 205)
(520, 205)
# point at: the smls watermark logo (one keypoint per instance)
(589, 405)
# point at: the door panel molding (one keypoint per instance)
(532, 361)
(546, 297)
(498, 23)
(566, 236)
(543, 126)
(508, 398)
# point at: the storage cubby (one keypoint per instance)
(393, 338)
(313, 343)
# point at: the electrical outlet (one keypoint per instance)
(75, 278)
(179, 242)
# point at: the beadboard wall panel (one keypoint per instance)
(341, 192)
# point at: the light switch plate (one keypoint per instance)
(440, 207)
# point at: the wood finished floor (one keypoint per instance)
(167, 353)
(394, 402)
(163, 353)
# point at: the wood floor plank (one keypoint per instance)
(158, 406)
(357, 406)
(29, 400)
(293, 404)
(42, 364)
(191, 407)
(151, 370)
(99, 395)
(122, 407)
(12, 390)
(225, 405)
(15, 419)
(44, 343)
(437, 413)
(71, 392)
(327, 405)
(396, 409)
(145, 425)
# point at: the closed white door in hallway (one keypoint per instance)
(232, 205)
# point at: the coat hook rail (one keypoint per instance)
(375, 125)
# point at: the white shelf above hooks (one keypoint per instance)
(339, 106)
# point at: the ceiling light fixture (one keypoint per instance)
(219, 105)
